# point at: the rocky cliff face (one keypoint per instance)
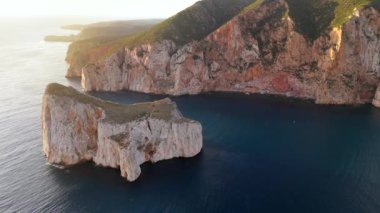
(193, 23)
(258, 51)
(79, 128)
(376, 99)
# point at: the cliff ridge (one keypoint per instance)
(269, 47)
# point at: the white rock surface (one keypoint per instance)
(79, 128)
(376, 99)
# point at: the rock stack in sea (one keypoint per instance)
(79, 128)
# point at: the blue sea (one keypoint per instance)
(260, 154)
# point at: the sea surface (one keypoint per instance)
(260, 154)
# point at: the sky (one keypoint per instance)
(110, 8)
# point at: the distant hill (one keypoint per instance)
(116, 28)
(56, 38)
(73, 27)
(112, 29)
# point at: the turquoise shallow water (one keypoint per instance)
(261, 154)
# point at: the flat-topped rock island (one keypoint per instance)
(78, 128)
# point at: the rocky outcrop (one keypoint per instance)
(79, 128)
(376, 99)
(258, 51)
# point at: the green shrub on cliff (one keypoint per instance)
(376, 4)
(345, 9)
(251, 6)
(313, 17)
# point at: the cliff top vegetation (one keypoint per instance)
(163, 109)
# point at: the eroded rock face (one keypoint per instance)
(257, 52)
(79, 128)
(376, 99)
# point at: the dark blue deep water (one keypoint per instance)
(260, 154)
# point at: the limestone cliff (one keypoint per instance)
(194, 22)
(79, 128)
(376, 99)
(259, 51)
